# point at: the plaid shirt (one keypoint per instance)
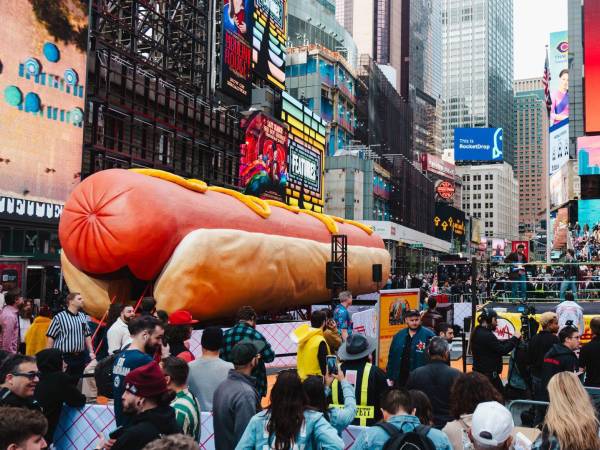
(242, 331)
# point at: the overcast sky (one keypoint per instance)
(533, 22)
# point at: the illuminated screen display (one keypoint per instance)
(306, 154)
(478, 144)
(269, 41)
(236, 61)
(589, 212)
(588, 155)
(591, 55)
(558, 54)
(264, 156)
(42, 78)
(448, 222)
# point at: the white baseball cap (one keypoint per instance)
(492, 424)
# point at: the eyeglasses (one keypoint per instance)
(575, 337)
(30, 375)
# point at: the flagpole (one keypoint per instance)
(548, 161)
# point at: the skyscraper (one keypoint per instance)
(405, 35)
(478, 67)
(531, 150)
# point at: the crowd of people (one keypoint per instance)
(140, 359)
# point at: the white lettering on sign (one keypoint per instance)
(304, 167)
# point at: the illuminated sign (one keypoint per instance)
(559, 77)
(264, 157)
(236, 62)
(307, 138)
(478, 144)
(435, 164)
(269, 41)
(588, 155)
(591, 61)
(559, 145)
(42, 77)
(445, 190)
(448, 222)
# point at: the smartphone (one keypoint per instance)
(332, 367)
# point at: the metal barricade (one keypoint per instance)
(517, 407)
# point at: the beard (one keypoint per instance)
(151, 349)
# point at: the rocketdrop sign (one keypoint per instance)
(478, 144)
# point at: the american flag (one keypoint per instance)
(546, 82)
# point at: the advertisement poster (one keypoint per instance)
(478, 144)
(306, 157)
(559, 145)
(560, 229)
(559, 186)
(236, 63)
(591, 61)
(515, 244)
(448, 222)
(589, 212)
(264, 153)
(269, 41)
(42, 78)
(558, 53)
(13, 274)
(588, 154)
(393, 304)
(498, 246)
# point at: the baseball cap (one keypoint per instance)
(181, 317)
(412, 313)
(492, 424)
(146, 381)
(244, 351)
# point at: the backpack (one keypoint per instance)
(412, 440)
(103, 373)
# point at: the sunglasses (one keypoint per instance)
(30, 375)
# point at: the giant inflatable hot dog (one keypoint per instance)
(209, 250)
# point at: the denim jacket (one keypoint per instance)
(340, 418)
(316, 432)
(375, 437)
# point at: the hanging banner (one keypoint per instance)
(393, 304)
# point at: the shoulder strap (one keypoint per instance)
(422, 430)
(545, 439)
(390, 429)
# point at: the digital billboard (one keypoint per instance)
(306, 154)
(498, 247)
(448, 222)
(591, 61)
(588, 155)
(42, 78)
(589, 212)
(269, 41)
(558, 54)
(478, 144)
(236, 61)
(264, 157)
(435, 164)
(559, 186)
(559, 145)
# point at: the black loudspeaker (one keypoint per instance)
(377, 273)
(334, 275)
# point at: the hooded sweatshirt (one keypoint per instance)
(558, 359)
(145, 427)
(312, 350)
(55, 388)
(35, 338)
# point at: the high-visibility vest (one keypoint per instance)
(363, 411)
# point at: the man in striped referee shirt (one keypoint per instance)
(69, 332)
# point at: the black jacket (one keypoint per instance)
(488, 350)
(558, 359)
(539, 345)
(590, 359)
(431, 318)
(435, 380)
(7, 398)
(55, 388)
(146, 427)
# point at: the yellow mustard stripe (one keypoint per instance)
(191, 184)
(367, 229)
(278, 204)
(258, 205)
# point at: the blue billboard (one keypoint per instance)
(478, 144)
(589, 212)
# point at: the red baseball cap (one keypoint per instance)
(181, 317)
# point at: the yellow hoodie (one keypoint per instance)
(35, 337)
(308, 339)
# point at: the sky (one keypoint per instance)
(533, 22)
